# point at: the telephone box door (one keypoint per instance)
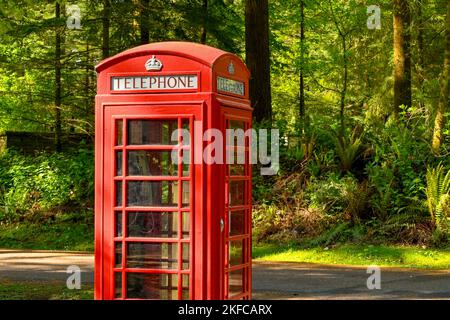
(237, 235)
(149, 212)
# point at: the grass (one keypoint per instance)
(358, 255)
(42, 291)
(66, 234)
(60, 235)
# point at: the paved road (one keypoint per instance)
(309, 281)
(270, 280)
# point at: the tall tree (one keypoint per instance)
(258, 56)
(402, 54)
(58, 84)
(443, 98)
(343, 35)
(421, 51)
(204, 21)
(144, 17)
(302, 62)
(106, 21)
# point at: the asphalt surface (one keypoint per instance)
(270, 280)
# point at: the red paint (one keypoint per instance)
(208, 264)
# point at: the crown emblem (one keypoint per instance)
(153, 64)
(231, 68)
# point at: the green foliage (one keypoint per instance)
(336, 195)
(438, 196)
(67, 231)
(347, 148)
(45, 290)
(44, 183)
(357, 254)
(366, 182)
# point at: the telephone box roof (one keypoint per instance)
(202, 53)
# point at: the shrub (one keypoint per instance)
(44, 183)
(338, 195)
(438, 197)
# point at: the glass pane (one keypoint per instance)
(119, 132)
(234, 124)
(151, 132)
(186, 194)
(118, 231)
(237, 194)
(186, 163)
(151, 163)
(185, 284)
(186, 224)
(236, 134)
(152, 193)
(118, 285)
(237, 223)
(152, 224)
(235, 155)
(235, 282)
(152, 255)
(236, 253)
(236, 161)
(118, 193)
(237, 170)
(186, 132)
(186, 256)
(186, 124)
(152, 286)
(118, 255)
(119, 163)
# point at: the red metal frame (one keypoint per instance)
(209, 184)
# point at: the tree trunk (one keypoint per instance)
(443, 99)
(344, 85)
(302, 62)
(402, 55)
(87, 87)
(343, 92)
(421, 53)
(258, 57)
(145, 21)
(106, 20)
(204, 22)
(58, 86)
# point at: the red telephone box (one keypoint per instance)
(172, 227)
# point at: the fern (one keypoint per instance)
(348, 149)
(438, 195)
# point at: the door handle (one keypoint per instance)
(222, 225)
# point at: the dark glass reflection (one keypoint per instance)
(119, 132)
(119, 156)
(151, 132)
(237, 223)
(235, 282)
(152, 193)
(118, 232)
(236, 253)
(237, 193)
(152, 286)
(118, 285)
(151, 163)
(153, 224)
(152, 255)
(118, 193)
